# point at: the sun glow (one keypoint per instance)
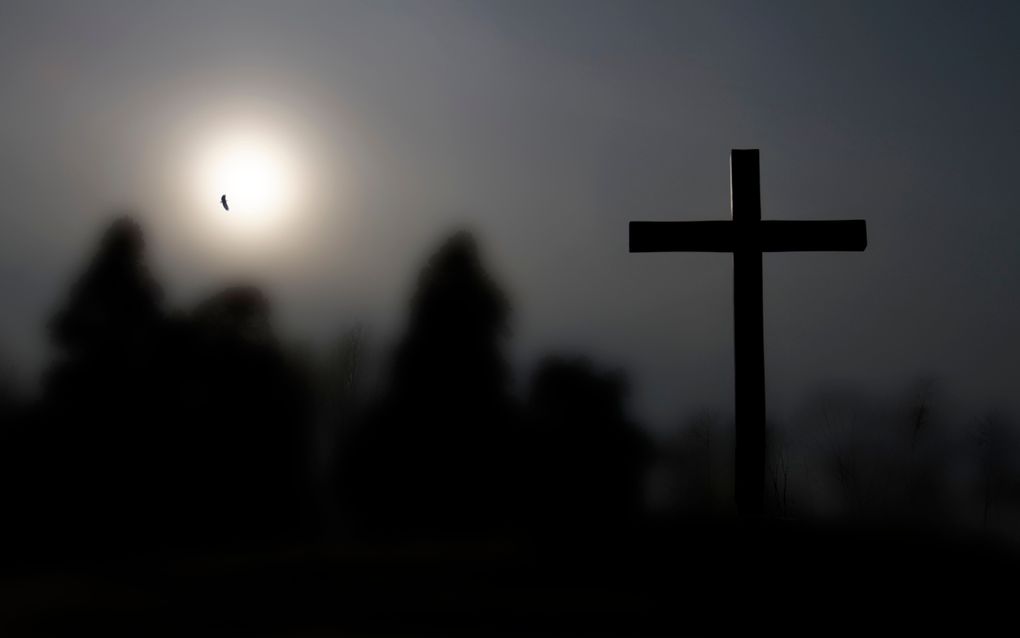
(260, 178)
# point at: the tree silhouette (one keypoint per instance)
(19, 479)
(169, 429)
(589, 456)
(243, 424)
(432, 457)
(102, 391)
(459, 318)
(115, 303)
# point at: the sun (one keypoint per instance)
(253, 177)
(257, 173)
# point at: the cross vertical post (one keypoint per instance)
(749, 335)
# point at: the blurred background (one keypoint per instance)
(408, 378)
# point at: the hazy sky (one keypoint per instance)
(545, 126)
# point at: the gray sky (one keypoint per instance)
(546, 126)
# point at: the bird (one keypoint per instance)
(223, 200)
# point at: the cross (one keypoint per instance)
(747, 236)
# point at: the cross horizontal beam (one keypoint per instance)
(769, 235)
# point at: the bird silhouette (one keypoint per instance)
(223, 200)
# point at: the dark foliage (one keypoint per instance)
(179, 454)
(588, 457)
(158, 430)
(434, 455)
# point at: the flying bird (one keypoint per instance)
(223, 200)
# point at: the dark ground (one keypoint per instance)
(786, 578)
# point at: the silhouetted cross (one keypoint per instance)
(747, 236)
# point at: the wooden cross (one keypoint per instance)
(747, 236)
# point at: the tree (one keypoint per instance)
(100, 394)
(113, 313)
(432, 457)
(589, 458)
(241, 424)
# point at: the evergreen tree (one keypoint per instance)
(107, 327)
(100, 394)
(243, 426)
(433, 457)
